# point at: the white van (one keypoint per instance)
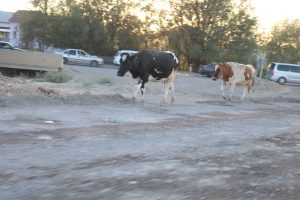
(118, 55)
(284, 73)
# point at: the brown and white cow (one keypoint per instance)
(236, 74)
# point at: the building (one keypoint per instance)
(10, 26)
(5, 26)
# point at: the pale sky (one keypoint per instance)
(267, 11)
(273, 11)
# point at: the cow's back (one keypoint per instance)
(242, 72)
(159, 64)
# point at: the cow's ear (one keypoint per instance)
(131, 58)
(123, 57)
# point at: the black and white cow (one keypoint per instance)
(157, 66)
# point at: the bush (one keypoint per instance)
(54, 77)
(88, 83)
(104, 81)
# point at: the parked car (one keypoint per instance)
(283, 73)
(7, 45)
(78, 56)
(207, 70)
(118, 55)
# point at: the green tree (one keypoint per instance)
(214, 30)
(284, 45)
(241, 38)
(198, 31)
(98, 26)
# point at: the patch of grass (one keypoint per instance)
(54, 77)
(104, 81)
(88, 83)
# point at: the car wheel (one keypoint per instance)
(281, 80)
(65, 61)
(94, 63)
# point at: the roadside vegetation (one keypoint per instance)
(102, 81)
(198, 31)
(54, 77)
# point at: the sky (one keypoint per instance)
(274, 11)
(267, 11)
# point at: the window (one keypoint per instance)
(81, 53)
(72, 52)
(285, 68)
(295, 69)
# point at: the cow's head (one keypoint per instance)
(223, 71)
(217, 72)
(126, 64)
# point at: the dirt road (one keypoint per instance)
(88, 140)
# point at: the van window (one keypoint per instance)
(295, 69)
(285, 68)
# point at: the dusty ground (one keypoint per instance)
(85, 140)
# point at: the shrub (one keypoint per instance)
(104, 81)
(88, 83)
(54, 77)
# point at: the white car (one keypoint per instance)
(78, 56)
(7, 45)
(118, 55)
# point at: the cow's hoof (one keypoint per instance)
(134, 99)
(228, 100)
(141, 101)
(172, 100)
(162, 103)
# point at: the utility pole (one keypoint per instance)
(261, 62)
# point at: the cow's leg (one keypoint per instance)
(144, 80)
(168, 86)
(222, 90)
(143, 93)
(251, 89)
(229, 97)
(137, 90)
(172, 89)
(246, 89)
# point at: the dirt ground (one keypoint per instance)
(89, 140)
